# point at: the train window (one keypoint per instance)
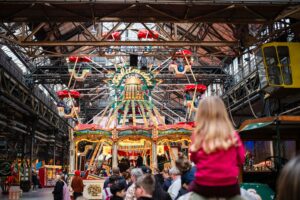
(284, 59)
(273, 70)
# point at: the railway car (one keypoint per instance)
(282, 66)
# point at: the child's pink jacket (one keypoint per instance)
(219, 168)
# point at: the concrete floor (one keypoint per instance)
(44, 193)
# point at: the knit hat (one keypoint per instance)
(77, 173)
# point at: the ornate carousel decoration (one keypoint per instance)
(131, 124)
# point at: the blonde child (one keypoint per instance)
(216, 150)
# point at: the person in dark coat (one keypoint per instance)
(58, 193)
(167, 180)
(139, 161)
(35, 181)
(160, 194)
(123, 165)
(115, 171)
(158, 177)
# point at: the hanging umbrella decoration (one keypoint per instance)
(85, 71)
(63, 109)
(114, 36)
(73, 94)
(193, 94)
(181, 63)
(145, 34)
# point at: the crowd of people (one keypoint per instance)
(216, 157)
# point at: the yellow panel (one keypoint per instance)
(132, 142)
(294, 53)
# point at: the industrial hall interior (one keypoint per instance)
(150, 99)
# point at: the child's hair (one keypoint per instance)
(113, 179)
(147, 182)
(126, 175)
(214, 130)
(183, 164)
(117, 187)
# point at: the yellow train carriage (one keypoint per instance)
(282, 64)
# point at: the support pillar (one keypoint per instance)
(154, 155)
(115, 154)
(54, 147)
(47, 154)
(23, 147)
(32, 139)
(63, 152)
(32, 133)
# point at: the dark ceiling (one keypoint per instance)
(216, 31)
(143, 11)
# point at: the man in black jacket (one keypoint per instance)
(139, 161)
(58, 189)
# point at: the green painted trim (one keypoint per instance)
(174, 131)
(256, 126)
(90, 132)
(136, 132)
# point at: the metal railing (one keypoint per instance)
(248, 68)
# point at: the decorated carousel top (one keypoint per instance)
(131, 103)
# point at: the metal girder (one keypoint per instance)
(191, 37)
(15, 92)
(13, 89)
(130, 43)
(30, 66)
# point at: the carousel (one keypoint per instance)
(130, 130)
(130, 126)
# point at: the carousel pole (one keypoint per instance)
(72, 151)
(154, 148)
(115, 148)
(154, 155)
(76, 156)
(115, 155)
